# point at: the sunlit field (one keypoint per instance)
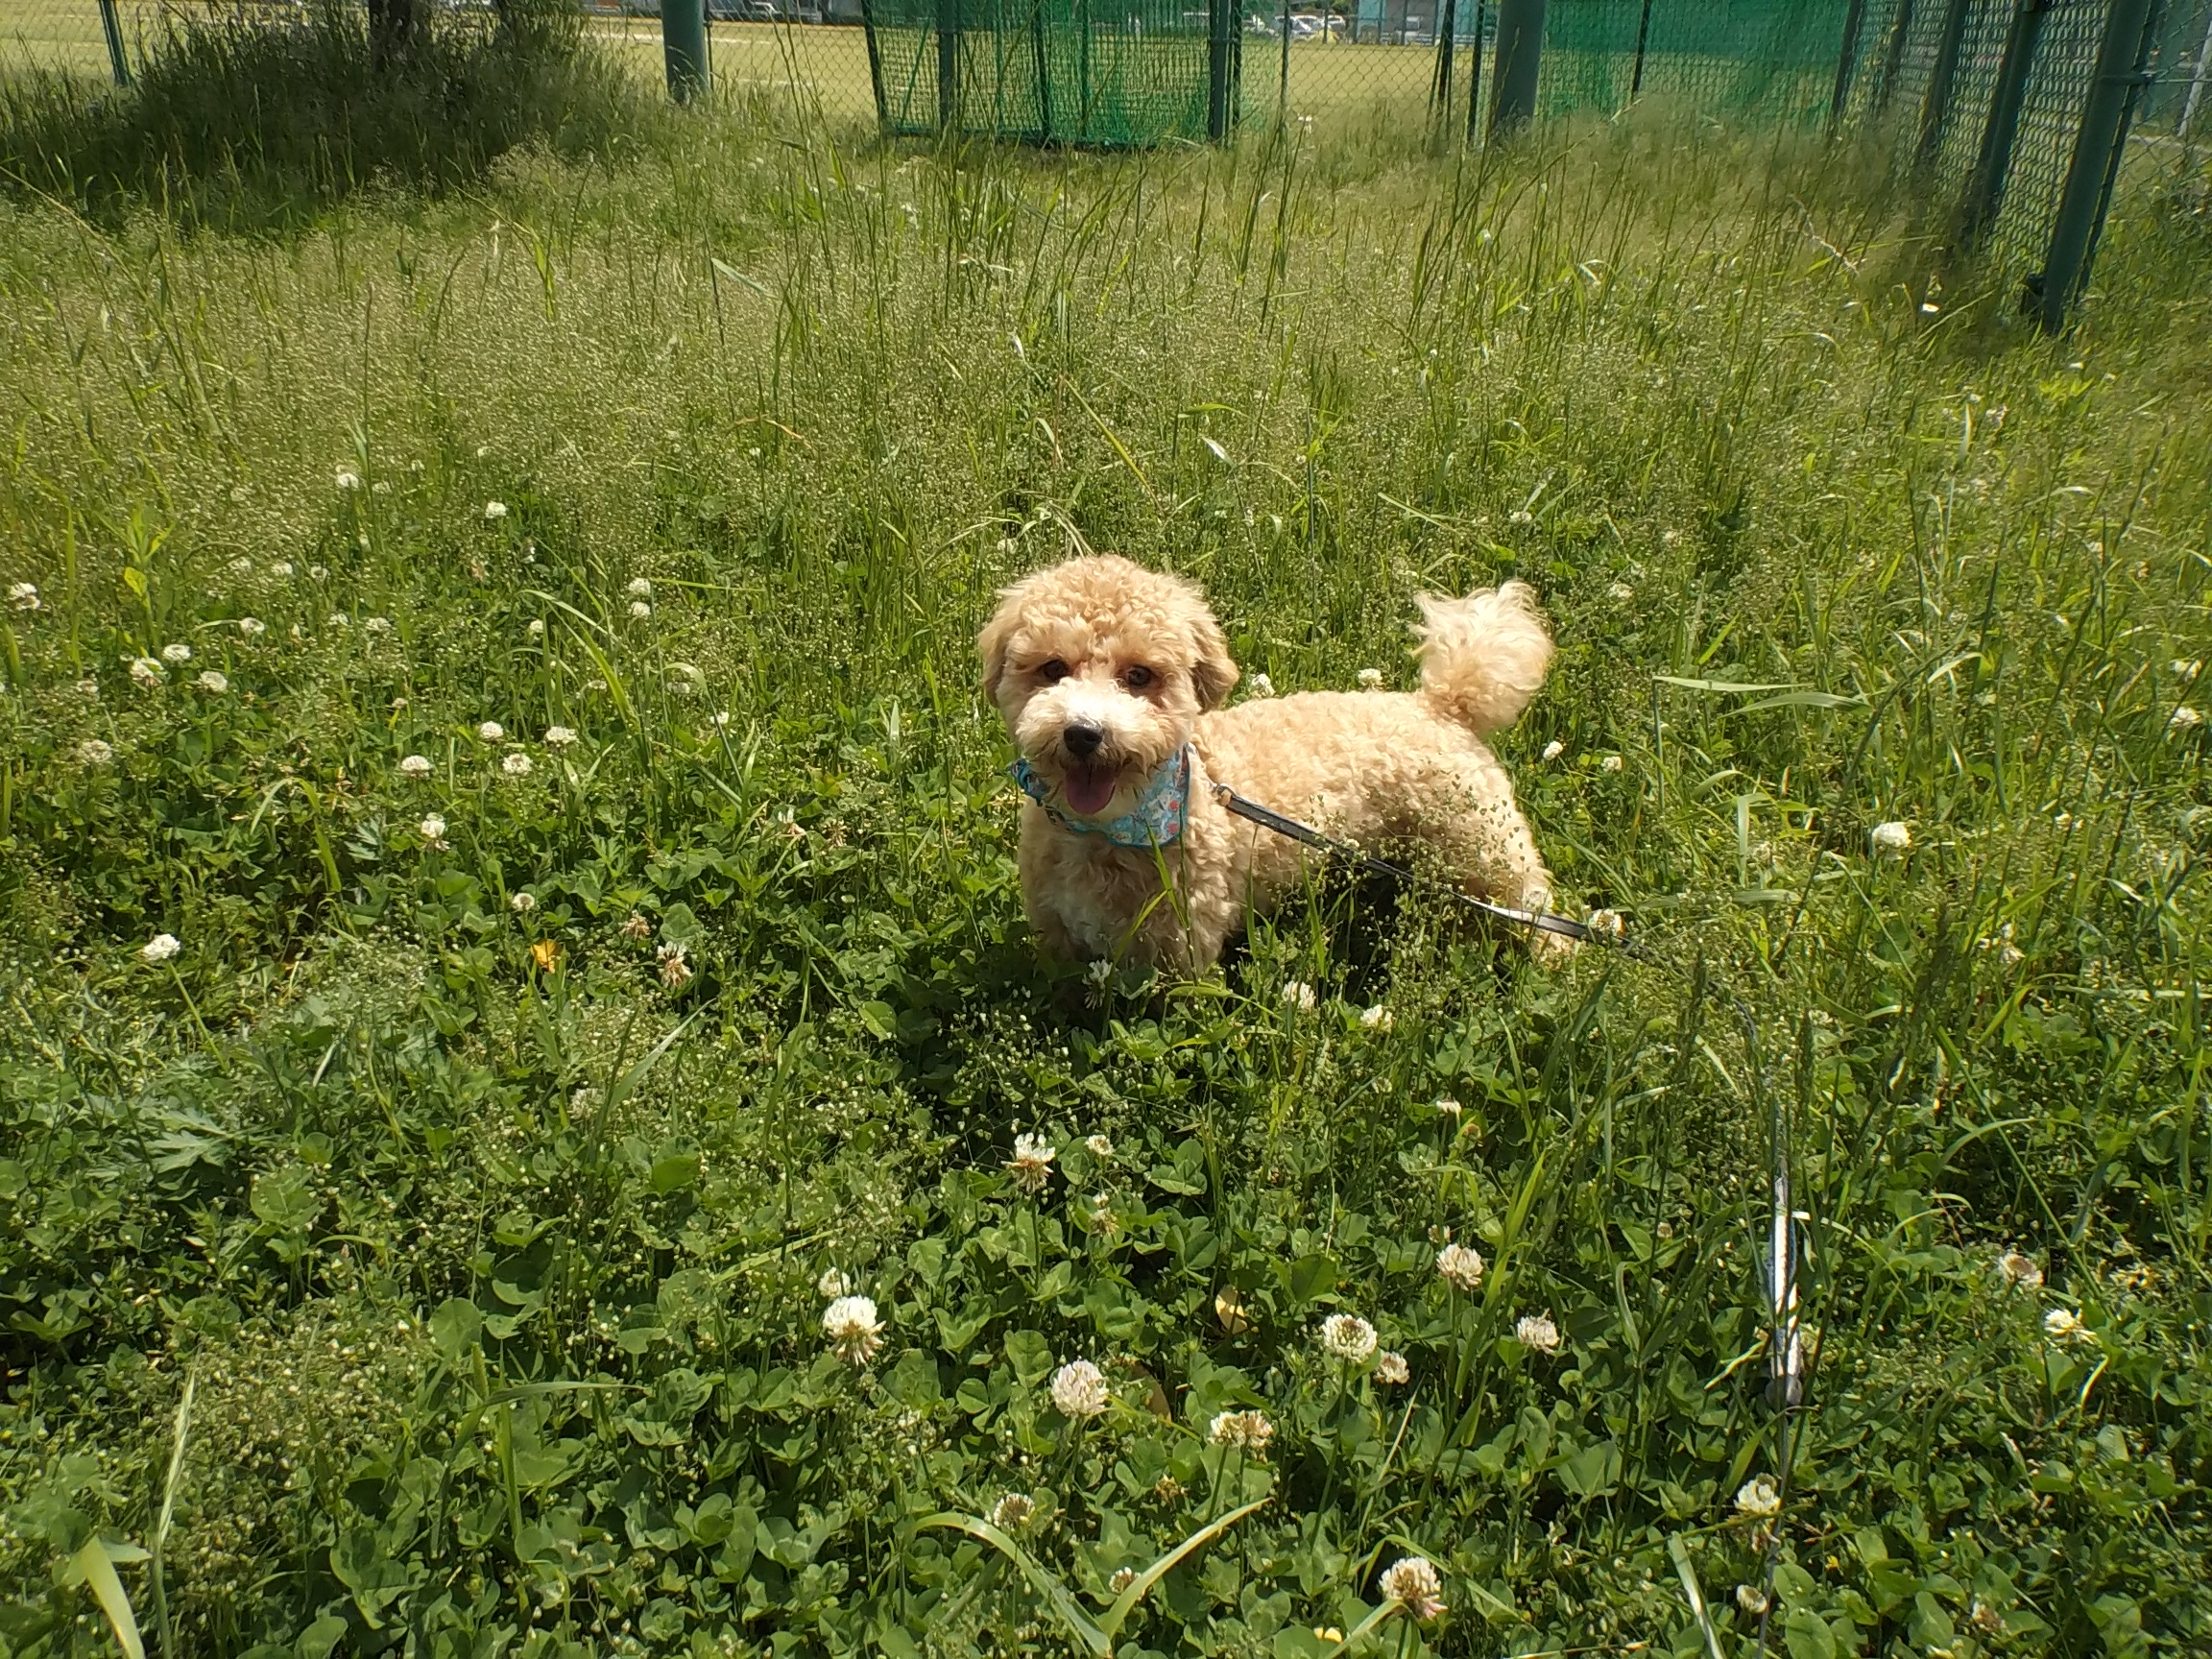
(508, 922)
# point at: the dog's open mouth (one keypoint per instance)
(1088, 789)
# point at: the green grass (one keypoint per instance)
(490, 1253)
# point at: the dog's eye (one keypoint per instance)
(1053, 672)
(1137, 679)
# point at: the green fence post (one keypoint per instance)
(1044, 71)
(2120, 58)
(1440, 91)
(1985, 195)
(1520, 58)
(684, 43)
(1474, 77)
(948, 65)
(1893, 56)
(1217, 68)
(1943, 74)
(1283, 91)
(1642, 40)
(111, 26)
(875, 69)
(1846, 64)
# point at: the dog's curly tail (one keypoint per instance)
(1482, 658)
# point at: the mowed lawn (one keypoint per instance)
(531, 1121)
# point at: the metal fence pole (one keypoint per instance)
(1893, 56)
(684, 44)
(1044, 71)
(2196, 84)
(1520, 58)
(1936, 108)
(1643, 39)
(111, 26)
(948, 65)
(1283, 87)
(2121, 57)
(1474, 77)
(1440, 92)
(1985, 196)
(1217, 69)
(1846, 64)
(876, 67)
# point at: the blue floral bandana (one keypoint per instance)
(1155, 821)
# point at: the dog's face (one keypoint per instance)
(1099, 668)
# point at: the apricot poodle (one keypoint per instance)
(1111, 679)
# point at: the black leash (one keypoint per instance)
(1306, 836)
(1786, 1355)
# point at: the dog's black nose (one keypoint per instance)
(1082, 740)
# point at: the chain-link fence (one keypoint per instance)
(2007, 118)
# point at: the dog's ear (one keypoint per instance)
(992, 642)
(1213, 671)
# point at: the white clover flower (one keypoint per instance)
(147, 672)
(2015, 1268)
(1347, 1337)
(675, 971)
(1450, 1108)
(433, 829)
(24, 595)
(2181, 666)
(1246, 1431)
(1752, 1599)
(1620, 592)
(1758, 1498)
(832, 1284)
(536, 628)
(1370, 679)
(415, 766)
(317, 572)
(1414, 1583)
(1378, 1018)
(92, 753)
(516, 765)
(1462, 1268)
(240, 566)
(559, 737)
(1123, 1578)
(253, 627)
(1606, 924)
(2062, 1326)
(347, 480)
(1079, 1389)
(1390, 1368)
(1537, 1332)
(721, 721)
(1013, 1513)
(282, 567)
(382, 487)
(1031, 1163)
(1554, 749)
(639, 610)
(176, 654)
(494, 509)
(337, 620)
(638, 929)
(1889, 837)
(212, 680)
(161, 948)
(522, 903)
(490, 732)
(1261, 686)
(378, 625)
(1098, 971)
(1298, 995)
(1098, 1147)
(89, 688)
(854, 1330)
(1611, 764)
(1520, 515)
(2185, 717)
(640, 588)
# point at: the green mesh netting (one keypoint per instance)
(1772, 60)
(1105, 72)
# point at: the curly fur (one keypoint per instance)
(1132, 662)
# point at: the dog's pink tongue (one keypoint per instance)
(1089, 788)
